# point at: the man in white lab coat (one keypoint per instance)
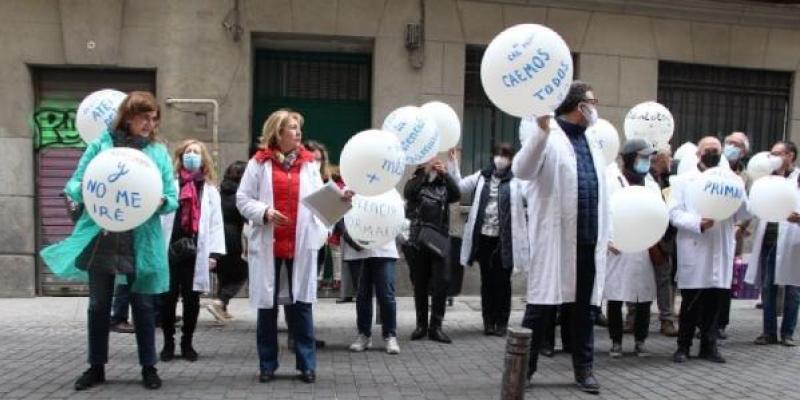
(568, 227)
(705, 261)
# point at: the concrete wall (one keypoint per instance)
(619, 44)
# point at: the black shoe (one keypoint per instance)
(308, 376)
(266, 376)
(500, 330)
(712, 355)
(586, 381)
(437, 335)
(150, 378)
(168, 352)
(344, 300)
(94, 375)
(488, 329)
(419, 333)
(547, 352)
(188, 353)
(680, 355)
(320, 344)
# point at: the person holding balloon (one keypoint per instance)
(100, 251)
(775, 253)
(705, 207)
(195, 238)
(284, 243)
(569, 227)
(630, 276)
(496, 216)
(428, 195)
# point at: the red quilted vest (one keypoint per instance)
(286, 198)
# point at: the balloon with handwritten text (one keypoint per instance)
(717, 193)
(96, 113)
(605, 138)
(376, 220)
(372, 162)
(650, 121)
(527, 70)
(417, 131)
(122, 189)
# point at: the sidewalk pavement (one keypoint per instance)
(43, 350)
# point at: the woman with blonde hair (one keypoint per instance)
(195, 239)
(137, 255)
(282, 249)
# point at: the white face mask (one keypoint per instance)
(432, 175)
(589, 114)
(501, 163)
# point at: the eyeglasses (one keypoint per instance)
(591, 101)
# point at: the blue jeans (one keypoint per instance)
(101, 292)
(300, 319)
(120, 305)
(769, 298)
(377, 273)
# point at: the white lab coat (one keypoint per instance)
(254, 197)
(705, 260)
(629, 276)
(210, 235)
(519, 228)
(548, 162)
(787, 251)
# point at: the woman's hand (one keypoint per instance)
(348, 194)
(274, 216)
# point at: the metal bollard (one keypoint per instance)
(517, 349)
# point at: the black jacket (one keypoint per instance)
(427, 203)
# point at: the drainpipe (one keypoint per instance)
(215, 121)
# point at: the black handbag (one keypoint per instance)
(182, 249)
(110, 252)
(434, 241)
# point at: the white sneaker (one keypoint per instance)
(392, 347)
(217, 310)
(362, 343)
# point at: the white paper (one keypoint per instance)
(327, 204)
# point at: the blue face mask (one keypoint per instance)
(642, 166)
(191, 161)
(732, 153)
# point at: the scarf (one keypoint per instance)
(189, 200)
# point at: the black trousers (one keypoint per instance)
(181, 279)
(641, 322)
(231, 274)
(725, 310)
(429, 275)
(700, 307)
(577, 317)
(495, 283)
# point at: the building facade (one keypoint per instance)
(345, 64)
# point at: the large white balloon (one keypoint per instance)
(717, 193)
(96, 113)
(762, 164)
(377, 220)
(447, 121)
(372, 162)
(122, 188)
(417, 131)
(650, 121)
(605, 137)
(639, 218)
(773, 198)
(527, 70)
(685, 149)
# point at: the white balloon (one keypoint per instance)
(417, 131)
(688, 163)
(762, 164)
(122, 189)
(639, 218)
(447, 121)
(605, 137)
(650, 121)
(717, 193)
(96, 113)
(377, 220)
(372, 162)
(685, 149)
(527, 70)
(773, 198)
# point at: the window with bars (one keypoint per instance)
(709, 100)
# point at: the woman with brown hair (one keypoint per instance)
(195, 240)
(138, 255)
